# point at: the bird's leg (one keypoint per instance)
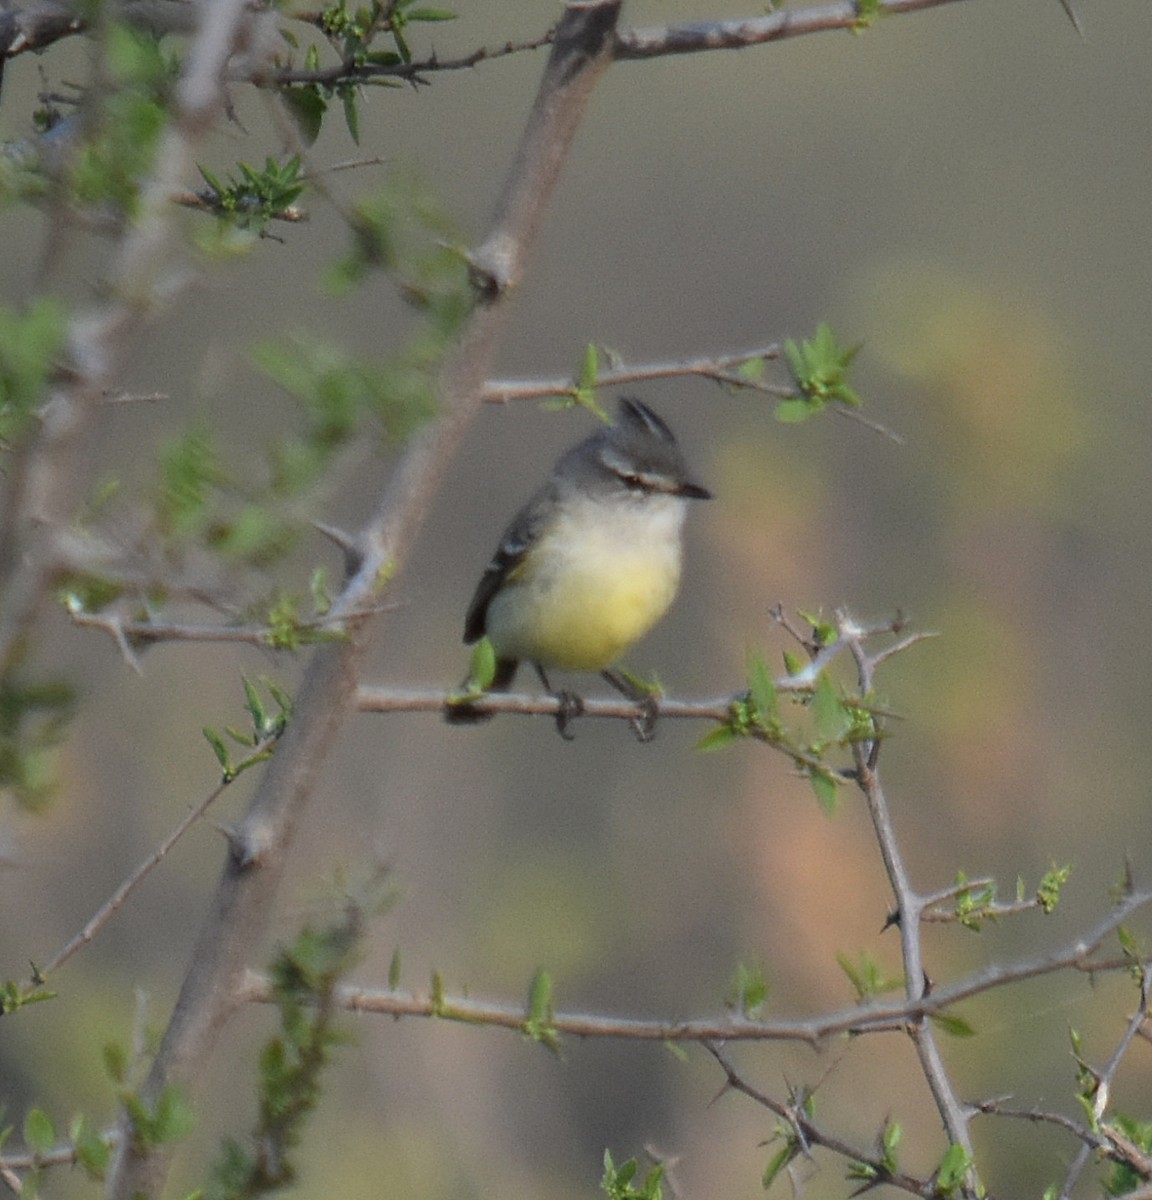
(571, 705)
(643, 726)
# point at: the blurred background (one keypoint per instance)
(965, 191)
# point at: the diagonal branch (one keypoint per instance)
(246, 893)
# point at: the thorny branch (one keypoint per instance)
(806, 1133)
(36, 25)
(875, 1016)
(1103, 1091)
(910, 906)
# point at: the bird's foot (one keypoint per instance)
(571, 707)
(643, 725)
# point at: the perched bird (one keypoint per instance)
(590, 563)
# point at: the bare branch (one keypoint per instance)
(721, 367)
(118, 898)
(389, 700)
(754, 31)
(129, 634)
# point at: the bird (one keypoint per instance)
(589, 564)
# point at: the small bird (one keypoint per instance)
(589, 564)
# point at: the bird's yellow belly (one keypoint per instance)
(583, 615)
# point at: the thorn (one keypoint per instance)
(246, 845)
(130, 656)
(347, 542)
(1073, 15)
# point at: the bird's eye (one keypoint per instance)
(633, 482)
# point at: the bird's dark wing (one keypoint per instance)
(518, 537)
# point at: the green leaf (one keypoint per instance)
(540, 997)
(747, 991)
(539, 1022)
(394, 970)
(889, 1141)
(761, 688)
(677, 1051)
(616, 1182)
(173, 1119)
(715, 739)
(792, 412)
(831, 716)
(862, 1171)
(30, 341)
(220, 749)
(868, 12)
(255, 706)
(320, 592)
(14, 996)
(778, 1162)
(824, 786)
(793, 663)
(39, 1131)
(438, 1004)
(819, 368)
(1129, 944)
(115, 1061)
(189, 472)
(307, 108)
(93, 1152)
(482, 669)
(351, 113)
(589, 368)
(1048, 893)
(952, 1025)
(954, 1166)
(866, 975)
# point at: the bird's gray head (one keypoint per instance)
(637, 454)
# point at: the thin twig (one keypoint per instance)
(116, 901)
(807, 1132)
(392, 700)
(414, 71)
(1105, 1077)
(720, 366)
(909, 908)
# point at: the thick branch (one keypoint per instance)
(246, 893)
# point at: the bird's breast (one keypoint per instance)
(597, 580)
